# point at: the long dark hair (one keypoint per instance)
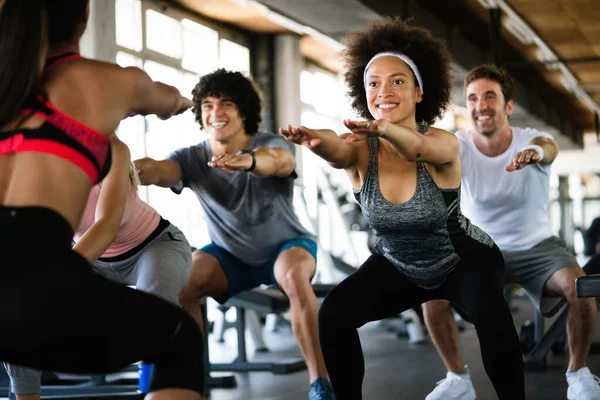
(23, 43)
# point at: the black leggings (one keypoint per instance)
(378, 290)
(57, 314)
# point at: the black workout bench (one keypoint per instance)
(589, 286)
(267, 300)
(544, 341)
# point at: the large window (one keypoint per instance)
(176, 48)
(325, 106)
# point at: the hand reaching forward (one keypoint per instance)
(301, 135)
(231, 162)
(362, 130)
(185, 105)
(523, 159)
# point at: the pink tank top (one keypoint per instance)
(139, 221)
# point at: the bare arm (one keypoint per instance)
(273, 162)
(529, 156)
(325, 143)
(550, 148)
(149, 97)
(269, 162)
(436, 147)
(165, 173)
(110, 207)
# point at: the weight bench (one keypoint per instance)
(589, 286)
(544, 341)
(267, 301)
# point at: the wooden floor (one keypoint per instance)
(395, 369)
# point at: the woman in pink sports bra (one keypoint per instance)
(55, 141)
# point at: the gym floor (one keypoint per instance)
(395, 369)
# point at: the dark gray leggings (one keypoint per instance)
(378, 290)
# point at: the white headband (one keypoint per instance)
(401, 56)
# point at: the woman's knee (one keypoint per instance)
(487, 306)
(181, 364)
(334, 311)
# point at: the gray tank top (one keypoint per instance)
(424, 237)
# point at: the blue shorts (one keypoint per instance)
(242, 276)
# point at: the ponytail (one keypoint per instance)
(134, 179)
(23, 44)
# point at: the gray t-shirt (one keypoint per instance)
(248, 216)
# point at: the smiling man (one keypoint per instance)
(244, 181)
(505, 191)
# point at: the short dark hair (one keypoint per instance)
(429, 53)
(493, 73)
(243, 91)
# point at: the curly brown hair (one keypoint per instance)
(242, 90)
(493, 73)
(429, 53)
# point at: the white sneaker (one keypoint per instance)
(583, 385)
(454, 387)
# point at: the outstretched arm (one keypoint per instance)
(260, 162)
(325, 143)
(540, 150)
(436, 147)
(150, 97)
(165, 173)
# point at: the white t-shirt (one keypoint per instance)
(510, 206)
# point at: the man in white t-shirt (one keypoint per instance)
(505, 190)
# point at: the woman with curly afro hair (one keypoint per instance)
(406, 177)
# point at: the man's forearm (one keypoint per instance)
(164, 173)
(273, 162)
(166, 182)
(549, 147)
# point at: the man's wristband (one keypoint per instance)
(253, 154)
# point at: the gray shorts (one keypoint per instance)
(532, 268)
(161, 267)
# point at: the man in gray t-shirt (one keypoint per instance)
(244, 182)
(248, 216)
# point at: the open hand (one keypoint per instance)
(231, 162)
(301, 135)
(362, 130)
(523, 159)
